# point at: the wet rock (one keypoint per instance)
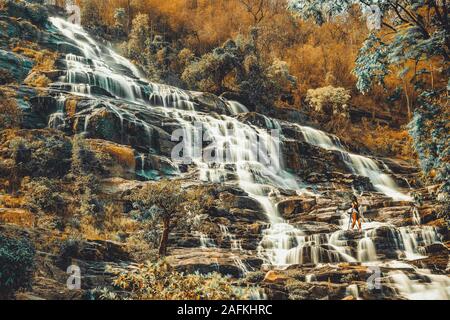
(312, 227)
(43, 105)
(209, 103)
(258, 120)
(247, 215)
(207, 261)
(247, 203)
(33, 12)
(95, 250)
(18, 66)
(400, 167)
(437, 249)
(150, 166)
(275, 277)
(290, 207)
(436, 263)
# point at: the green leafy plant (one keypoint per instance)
(17, 264)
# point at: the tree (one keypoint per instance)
(413, 46)
(209, 73)
(163, 201)
(238, 66)
(256, 8)
(90, 13)
(139, 38)
(129, 15)
(329, 100)
(21, 156)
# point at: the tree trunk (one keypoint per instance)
(408, 102)
(164, 238)
(130, 18)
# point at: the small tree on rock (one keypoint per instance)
(165, 202)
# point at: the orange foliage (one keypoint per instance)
(19, 217)
(122, 154)
(317, 56)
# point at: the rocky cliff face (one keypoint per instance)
(281, 227)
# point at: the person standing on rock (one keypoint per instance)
(355, 214)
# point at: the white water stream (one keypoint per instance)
(360, 165)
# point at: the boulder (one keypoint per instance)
(295, 205)
(211, 260)
(17, 65)
(209, 103)
(275, 277)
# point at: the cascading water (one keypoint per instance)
(245, 152)
(57, 120)
(366, 248)
(236, 246)
(236, 107)
(421, 285)
(235, 155)
(360, 165)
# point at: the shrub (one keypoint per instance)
(10, 113)
(329, 100)
(43, 195)
(21, 155)
(84, 169)
(161, 282)
(38, 153)
(68, 250)
(84, 159)
(17, 264)
(6, 77)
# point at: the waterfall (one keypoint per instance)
(98, 68)
(421, 286)
(236, 246)
(243, 153)
(236, 107)
(366, 248)
(205, 241)
(359, 165)
(57, 119)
